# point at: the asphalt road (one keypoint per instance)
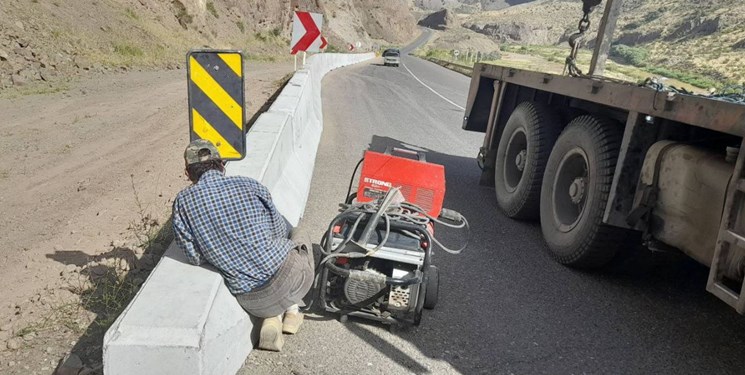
(505, 307)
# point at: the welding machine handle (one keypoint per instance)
(420, 155)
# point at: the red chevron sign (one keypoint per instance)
(306, 32)
(324, 42)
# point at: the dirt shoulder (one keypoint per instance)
(87, 179)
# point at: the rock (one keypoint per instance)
(98, 270)
(6, 327)
(115, 243)
(3, 55)
(46, 74)
(18, 80)
(49, 350)
(71, 268)
(13, 344)
(123, 265)
(23, 43)
(69, 365)
(19, 25)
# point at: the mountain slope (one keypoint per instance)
(704, 37)
(54, 40)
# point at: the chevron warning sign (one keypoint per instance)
(306, 32)
(216, 100)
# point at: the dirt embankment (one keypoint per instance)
(94, 126)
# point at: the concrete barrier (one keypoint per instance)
(184, 320)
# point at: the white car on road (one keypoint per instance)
(391, 57)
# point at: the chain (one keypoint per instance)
(576, 39)
(575, 42)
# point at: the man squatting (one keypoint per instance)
(232, 224)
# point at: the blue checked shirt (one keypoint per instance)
(231, 223)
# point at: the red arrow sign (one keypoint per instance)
(311, 32)
(324, 42)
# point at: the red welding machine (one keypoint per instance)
(421, 183)
(377, 252)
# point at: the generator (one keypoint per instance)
(376, 255)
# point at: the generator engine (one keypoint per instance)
(377, 253)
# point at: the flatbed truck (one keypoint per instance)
(600, 162)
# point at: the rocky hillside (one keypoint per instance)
(705, 37)
(54, 40)
(468, 5)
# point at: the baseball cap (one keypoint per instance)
(200, 150)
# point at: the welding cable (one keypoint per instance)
(412, 213)
(351, 181)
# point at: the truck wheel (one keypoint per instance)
(522, 154)
(575, 191)
(432, 291)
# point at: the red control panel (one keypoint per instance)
(421, 183)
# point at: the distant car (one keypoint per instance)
(391, 57)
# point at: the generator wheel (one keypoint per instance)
(522, 155)
(575, 191)
(432, 290)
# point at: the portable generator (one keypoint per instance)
(377, 253)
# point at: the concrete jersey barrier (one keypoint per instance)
(184, 320)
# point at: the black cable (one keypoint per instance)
(351, 181)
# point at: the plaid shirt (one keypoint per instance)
(231, 223)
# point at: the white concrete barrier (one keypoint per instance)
(184, 320)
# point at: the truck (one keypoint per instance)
(602, 163)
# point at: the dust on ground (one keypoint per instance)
(87, 179)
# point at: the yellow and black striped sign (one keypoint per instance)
(216, 100)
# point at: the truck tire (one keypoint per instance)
(575, 191)
(523, 151)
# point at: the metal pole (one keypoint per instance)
(605, 36)
(295, 62)
(303, 59)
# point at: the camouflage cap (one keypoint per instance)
(200, 150)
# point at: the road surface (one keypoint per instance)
(505, 307)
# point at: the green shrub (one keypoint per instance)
(629, 55)
(240, 26)
(631, 26)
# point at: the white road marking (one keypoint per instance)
(431, 89)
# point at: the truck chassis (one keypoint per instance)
(661, 170)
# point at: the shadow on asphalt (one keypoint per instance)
(505, 304)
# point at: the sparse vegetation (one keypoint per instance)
(240, 26)
(127, 50)
(212, 10)
(146, 227)
(131, 14)
(183, 17)
(692, 78)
